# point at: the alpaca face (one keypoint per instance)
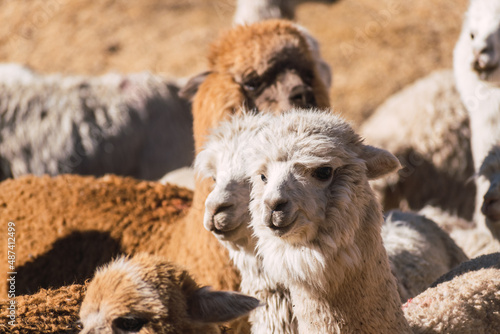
(484, 33)
(145, 294)
(297, 170)
(226, 208)
(286, 82)
(310, 194)
(273, 65)
(223, 160)
(293, 197)
(489, 174)
(119, 301)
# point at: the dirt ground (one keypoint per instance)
(375, 47)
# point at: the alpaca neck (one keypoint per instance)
(276, 315)
(365, 301)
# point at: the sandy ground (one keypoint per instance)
(375, 47)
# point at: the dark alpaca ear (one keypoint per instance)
(191, 87)
(378, 162)
(206, 305)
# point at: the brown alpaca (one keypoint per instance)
(146, 294)
(267, 66)
(47, 311)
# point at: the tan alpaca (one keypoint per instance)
(146, 294)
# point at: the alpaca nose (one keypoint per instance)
(278, 210)
(483, 59)
(481, 50)
(218, 213)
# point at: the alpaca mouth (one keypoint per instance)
(227, 232)
(485, 72)
(230, 232)
(280, 231)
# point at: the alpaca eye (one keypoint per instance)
(214, 179)
(251, 84)
(129, 324)
(263, 178)
(472, 35)
(322, 173)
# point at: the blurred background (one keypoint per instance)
(375, 47)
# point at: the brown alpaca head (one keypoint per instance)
(267, 66)
(146, 294)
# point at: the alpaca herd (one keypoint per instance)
(296, 224)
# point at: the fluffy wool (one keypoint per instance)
(427, 127)
(47, 311)
(146, 294)
(469, 303)
(227, 217)
(133, 124)
(419, 251)
(491, 260)
(312, 209)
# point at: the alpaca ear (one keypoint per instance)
(202, 166)
(379, 162)
(191, 87)
(210, 306)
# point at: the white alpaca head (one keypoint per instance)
(310, 173)
(481, 31)
(223, 160)
(490, 173)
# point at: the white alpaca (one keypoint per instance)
(227, 217)
(476, 59)
(312, 209)
(318, 226)
(147, 294)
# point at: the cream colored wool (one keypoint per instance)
(126, 124)
(427, 127)
(419, 251)
(468, 304)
